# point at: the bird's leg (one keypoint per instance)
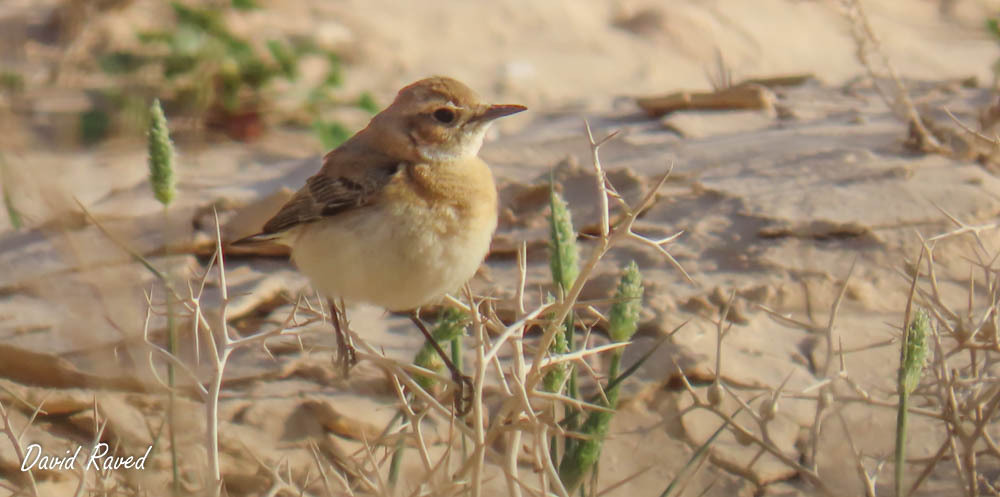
(346, 353)
(464, 396)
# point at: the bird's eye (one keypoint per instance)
(444, 115)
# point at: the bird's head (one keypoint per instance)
(437, 119)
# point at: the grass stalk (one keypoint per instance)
(163, 183)
(397, 456)
(171, 383)
(8, 200)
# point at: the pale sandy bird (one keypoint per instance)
(404, 211)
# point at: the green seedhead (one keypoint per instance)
(161, 178)
(161, 156)
(912, 356)
(554, 378)
(565, 266)
(624, 316)
(563, 252)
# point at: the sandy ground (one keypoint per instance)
(777, 205)
(562, 52)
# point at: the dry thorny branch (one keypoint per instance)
(880, 68)
(961, 392)
(517, 419)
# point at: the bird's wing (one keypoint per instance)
(341, 185)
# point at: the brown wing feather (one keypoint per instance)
(327, 194)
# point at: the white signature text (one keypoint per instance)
(98, 458)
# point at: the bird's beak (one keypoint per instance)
(497, 111)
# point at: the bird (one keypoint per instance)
(401, 213)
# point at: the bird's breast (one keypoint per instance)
(425, 235)
(446, 199)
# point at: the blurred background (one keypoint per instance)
(79, 75)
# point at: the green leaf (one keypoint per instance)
(150, 37)
(207, 19)
(333, 77)
(120, 62)
(993, 26)
(367, 102)
(698, 454)
(255, 73)
(244, 4)
(190, 41)
(286, 59)
(177, 65)
(94, 126)
(330, 134)
(229, 89)
(239, 49)
(8, 200)
(305, 46)
(12, 213)
(11, 82)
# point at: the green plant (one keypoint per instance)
(565, 266)
(164, 186)
(95, 124)
(623, 322)
(912, 356)
(11, 82)
(8, 200)
(202, 68)
(161, 157)
(450, 327)
(330, 134)
(993, 28)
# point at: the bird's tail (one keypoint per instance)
(257, 239)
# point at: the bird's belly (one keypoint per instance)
(398, 259)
